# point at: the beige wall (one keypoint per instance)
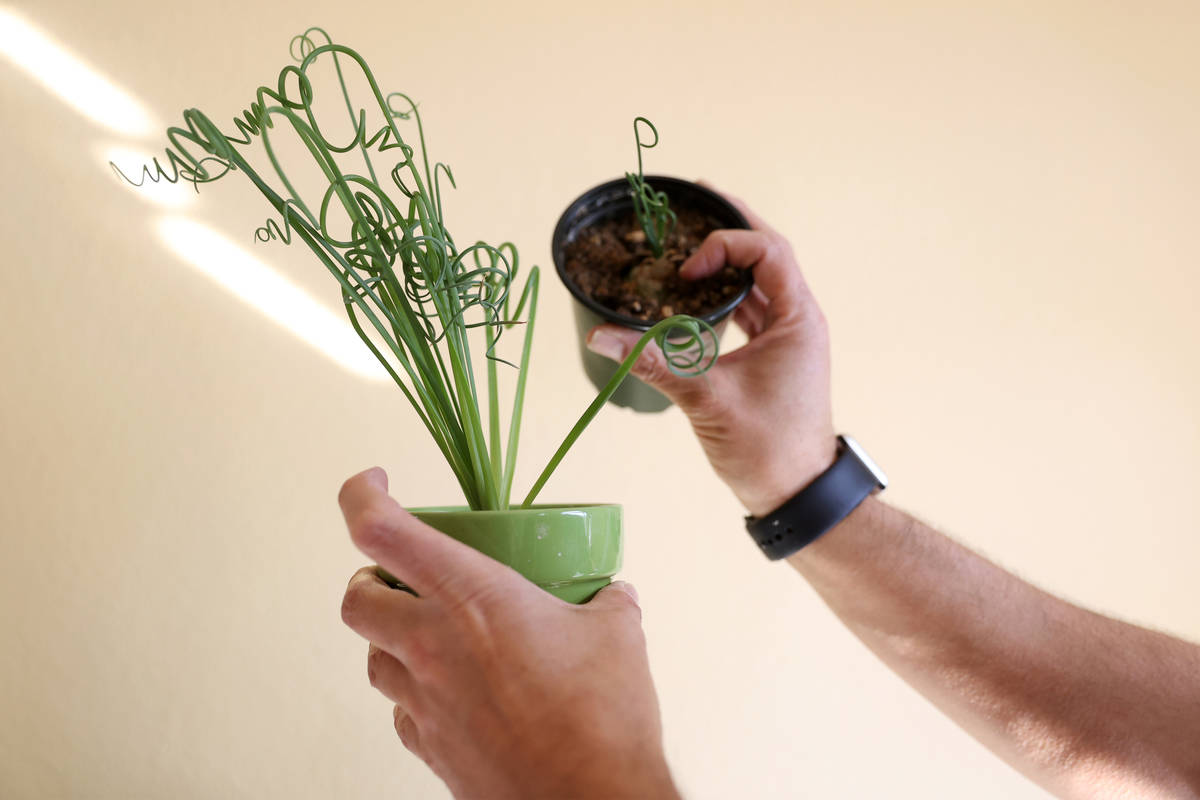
(996, 205)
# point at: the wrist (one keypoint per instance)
(649, 779)
(783, 481)
(851, 541)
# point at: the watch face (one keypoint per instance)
(868, 462)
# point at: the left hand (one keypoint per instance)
(762, 413)
(501, 688)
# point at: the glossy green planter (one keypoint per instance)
(570, 551)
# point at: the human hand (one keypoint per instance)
(762, 413)
(502, 689)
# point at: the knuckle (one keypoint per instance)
(650, 367)
(476, 622)
(370, 529)
(716, 243)
(344, 492)
(406, 729)
(816, 325)
(636, 635)
(364, 575)
(376, 662)
(421, 652)
(448, 585)
(626, 606)
(722, 238)
(777, 249)
(409, 729)
(352, 604)
(425, 740)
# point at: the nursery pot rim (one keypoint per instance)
(559, 242)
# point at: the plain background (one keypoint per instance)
(996, 204)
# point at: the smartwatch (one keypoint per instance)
(821, 505)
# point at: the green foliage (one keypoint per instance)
(652, 208)
(410, 292)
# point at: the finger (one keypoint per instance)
(424, 558)
(690, 394)
(751, 313)
(748, 321)
(775, 271)
(617, 596)
(380, 614)
(756, 222)
(390, 677)
(406, 729)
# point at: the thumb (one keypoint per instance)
(617, 595)
(615, 342)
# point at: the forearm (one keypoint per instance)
(1085, 705)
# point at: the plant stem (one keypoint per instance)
(658, 332)
(514, 429)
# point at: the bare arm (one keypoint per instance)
(1085, 705)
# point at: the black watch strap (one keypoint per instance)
(819, 506)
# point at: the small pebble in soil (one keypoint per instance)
(612, 264)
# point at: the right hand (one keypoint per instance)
(503, 689)
(762, 413)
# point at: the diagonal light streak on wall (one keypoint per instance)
(273, 295)
(93, 95)
(73, 81)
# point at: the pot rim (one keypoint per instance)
(561, 229)
(537, 508)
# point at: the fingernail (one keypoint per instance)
(607, 345)
(371, 664)
(377, 477)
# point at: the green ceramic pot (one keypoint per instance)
(570, 551)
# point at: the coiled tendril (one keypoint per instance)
(383, 237)
(689, 347)
(652, 208)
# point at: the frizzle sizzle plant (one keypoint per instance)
(652, 208)
(410, 292)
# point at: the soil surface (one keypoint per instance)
(611, 263)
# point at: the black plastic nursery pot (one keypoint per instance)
(612, 200)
